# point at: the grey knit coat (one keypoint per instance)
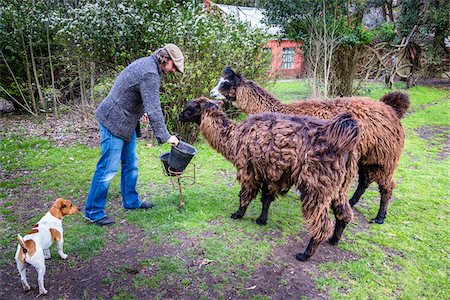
(135, 91)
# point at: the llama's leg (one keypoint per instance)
(315, 213)
(363, 183)
(246, 195)
(343, 214)
(338, 230)
(266, 199)
(309, 251)
(386, 193)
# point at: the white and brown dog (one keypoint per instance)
(34, 247)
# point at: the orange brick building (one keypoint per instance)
(287, 58)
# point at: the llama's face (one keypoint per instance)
(226, 88)
(195, 108)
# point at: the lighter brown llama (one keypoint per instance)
(382, 135)
(273, 151)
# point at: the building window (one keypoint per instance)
(288, 58)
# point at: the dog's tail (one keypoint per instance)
(22, 243)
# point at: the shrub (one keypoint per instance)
(96, 38)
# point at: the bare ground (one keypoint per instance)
(111, 273)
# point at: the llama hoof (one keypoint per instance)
(235, 216)
(261, 222)
(352, 202)
(333, 241)
(63, 255)
(302, 257)
(377, 220)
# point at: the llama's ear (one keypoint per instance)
(227, 71)
(219, 103)
(212, 105)
(231, 76)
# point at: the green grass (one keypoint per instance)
(405, 258)
(415, 229)
(289, 90)
(164, 268)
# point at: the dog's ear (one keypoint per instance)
(61, 203)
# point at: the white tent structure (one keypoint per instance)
(251, 15)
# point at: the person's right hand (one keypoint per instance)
(144, 118)
(173, 140)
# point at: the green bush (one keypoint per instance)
(99, 38)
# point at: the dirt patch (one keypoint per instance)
(119, 265)
(443, 83)
(64, 130)
(287, 278)
(87, 279)
(114, 270)
(429, 133)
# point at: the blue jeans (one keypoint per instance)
(114, 150)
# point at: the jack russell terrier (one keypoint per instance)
(33, 248)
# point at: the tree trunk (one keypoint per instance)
(82, 89)
(36, 77)
(390, 10)
(55, 106)
(27, 69)
(344, 69)
(92, 79)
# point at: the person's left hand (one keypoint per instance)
(144, 118)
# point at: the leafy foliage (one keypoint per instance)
(93, 39)
(297, 17)
(433, 23)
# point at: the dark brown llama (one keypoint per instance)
(382, 135)
(273, 151)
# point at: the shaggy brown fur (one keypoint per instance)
(273, 151)
(382, 135)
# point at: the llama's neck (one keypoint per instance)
(253, 99)
(218, 130)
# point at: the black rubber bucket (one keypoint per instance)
(181, 155)
(165, 160)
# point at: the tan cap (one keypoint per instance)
(176, 55)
